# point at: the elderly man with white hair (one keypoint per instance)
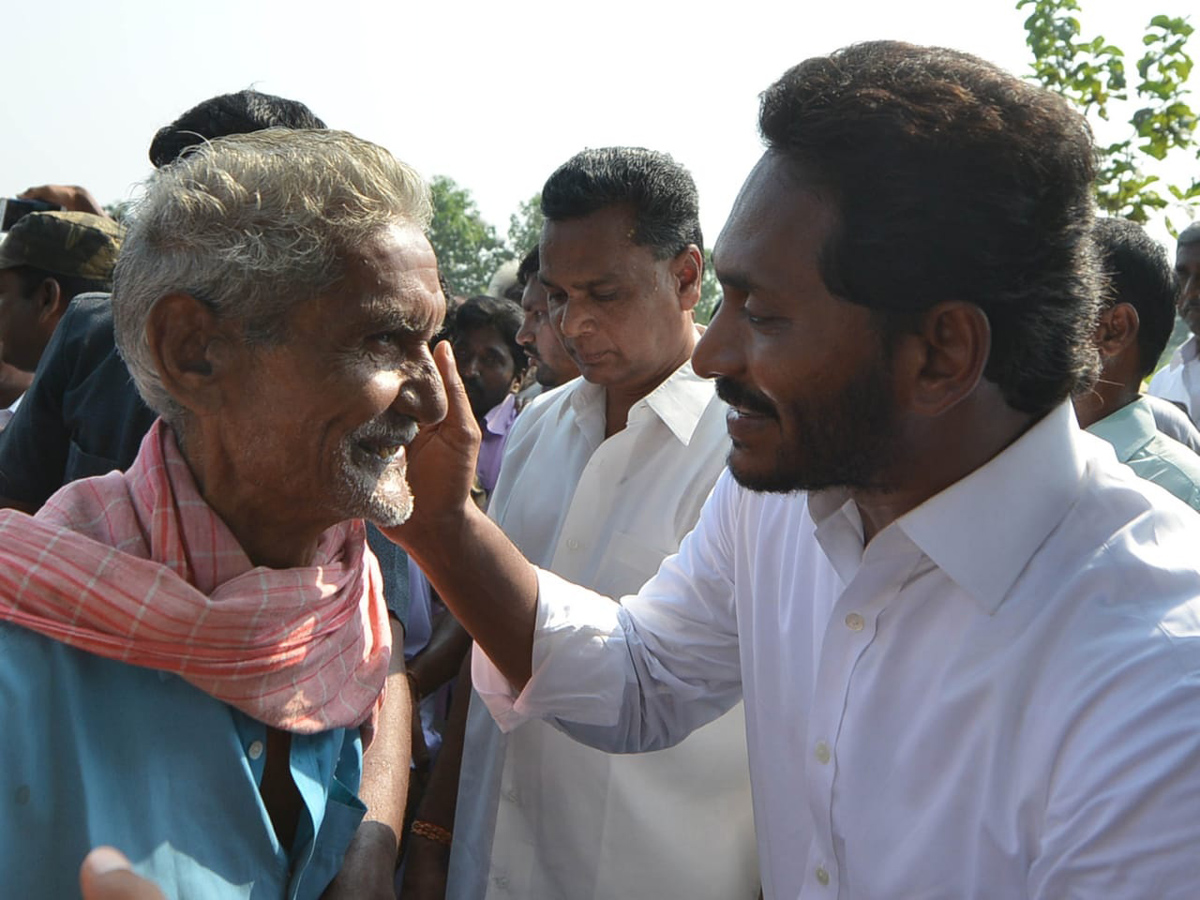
(195, 649)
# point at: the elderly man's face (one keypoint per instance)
(323, 418)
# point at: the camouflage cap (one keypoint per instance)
(74, 244)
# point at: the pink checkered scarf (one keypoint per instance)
(137, 567)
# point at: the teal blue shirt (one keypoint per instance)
(1150, 454)
(100, 752)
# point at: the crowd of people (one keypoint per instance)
(316, 582)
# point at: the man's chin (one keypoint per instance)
(762, 479)
(389, 509)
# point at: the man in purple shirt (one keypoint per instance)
(483, 334)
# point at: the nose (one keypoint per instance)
(468, 365)
(719, 350)
(525, 335)
(573, 318)
(422, 395)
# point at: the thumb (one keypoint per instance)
(458, 413)
(105, 875)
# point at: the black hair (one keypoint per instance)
(71, 286)
(482, 311)
(659, 191)
(1190, 235)
(1139, 273)
(529, 267)
(241, 113)
(951, 180)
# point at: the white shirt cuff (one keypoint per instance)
(577, 674)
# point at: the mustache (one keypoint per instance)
(389, 428)
(737, 394)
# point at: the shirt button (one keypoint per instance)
(854, 622)
(501, 882)
(572, 544)
(512, 796)
(822, 876)
(822, 752)
(255, 750)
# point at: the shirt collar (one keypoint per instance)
(500, 417)
(1129, 429)
(983, 529)
(679, 402)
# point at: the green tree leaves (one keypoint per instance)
(467, 247)
(1093, 75)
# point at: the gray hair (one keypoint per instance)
(253, 225)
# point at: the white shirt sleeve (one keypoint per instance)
(1121, 799)
(644, 673)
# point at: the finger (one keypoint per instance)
(105, 875)
(459, 407)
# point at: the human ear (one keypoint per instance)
(192, 350)
(687, 268)
(942, 361)
(51, 304)
(1116, 330)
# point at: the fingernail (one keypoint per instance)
(103, 860)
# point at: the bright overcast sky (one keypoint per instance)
(493, 94)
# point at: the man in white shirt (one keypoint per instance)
(1179, 380)
(968, 641)
(600, 482)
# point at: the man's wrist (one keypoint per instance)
(431, 538)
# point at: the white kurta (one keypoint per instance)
(998, 698)
(570, 821)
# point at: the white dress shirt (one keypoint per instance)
(998, 698)
(1179, 380)
(570, 821)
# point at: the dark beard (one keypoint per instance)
(841, 441)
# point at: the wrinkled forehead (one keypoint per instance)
(394, 271)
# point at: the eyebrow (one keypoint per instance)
(386, 315)
(739, 281)
(602, 281)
